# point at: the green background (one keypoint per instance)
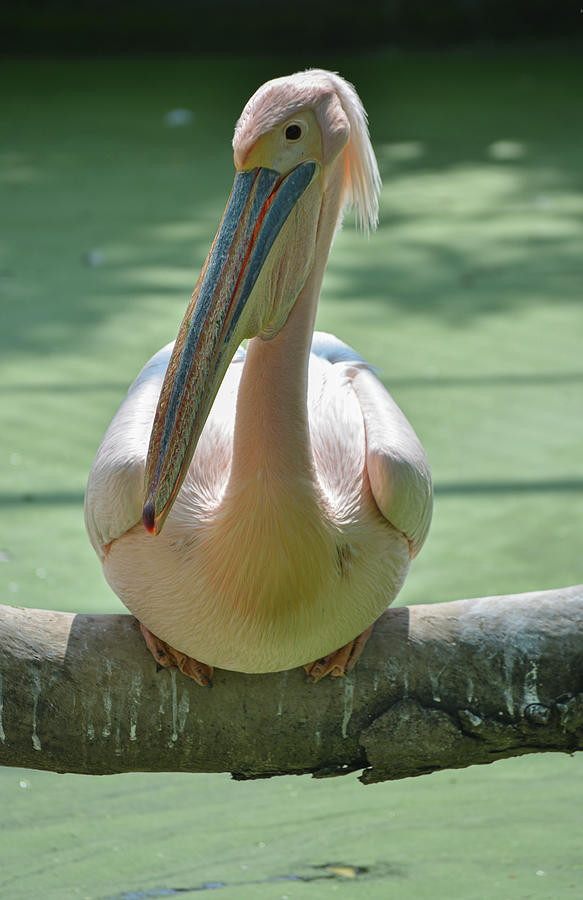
(468, 298)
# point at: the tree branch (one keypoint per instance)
(438, 686)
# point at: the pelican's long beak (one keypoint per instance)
(213, 327)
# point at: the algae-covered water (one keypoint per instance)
(469, 298)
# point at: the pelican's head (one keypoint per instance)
(302, 153)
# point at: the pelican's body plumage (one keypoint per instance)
(291, 527)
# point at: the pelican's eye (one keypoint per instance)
(293, 132)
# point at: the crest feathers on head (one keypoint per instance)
(362, 181)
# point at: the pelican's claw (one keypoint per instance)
(341, 661)
(168, 658)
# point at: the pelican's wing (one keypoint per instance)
(114, 495)
(398, 469)
(113, 499)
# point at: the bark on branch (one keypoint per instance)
(438, 686)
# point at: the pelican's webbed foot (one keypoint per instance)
(339, 662)
(169, 658)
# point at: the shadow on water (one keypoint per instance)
(343, 872)
(544, 486)
(425, 382)
(550, 486)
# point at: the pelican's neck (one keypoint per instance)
(271, 425)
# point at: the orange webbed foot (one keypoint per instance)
(169, 658)
(341, 661)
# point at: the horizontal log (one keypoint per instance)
(438, 686)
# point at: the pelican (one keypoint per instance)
(257, 510)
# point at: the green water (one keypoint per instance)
(469, 300)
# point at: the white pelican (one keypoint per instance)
(292, 490)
